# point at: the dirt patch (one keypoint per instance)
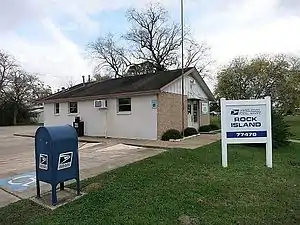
(187, 220)
(92, 187)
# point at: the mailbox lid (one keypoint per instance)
(57, 133)
(60, 133)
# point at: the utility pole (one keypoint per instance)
(182, 71)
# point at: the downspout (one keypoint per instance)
(105, 130)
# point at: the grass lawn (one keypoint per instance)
(163, 188)
(294, 122)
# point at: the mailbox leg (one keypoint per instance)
(38, 189)
(54, 196)
(62, 186)
(78, 186)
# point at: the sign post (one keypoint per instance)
(246, 121)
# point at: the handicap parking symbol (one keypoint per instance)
(19, 183)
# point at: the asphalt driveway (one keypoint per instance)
(17, 167)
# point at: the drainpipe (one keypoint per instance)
(105, 129)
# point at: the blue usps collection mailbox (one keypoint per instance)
(56, 157)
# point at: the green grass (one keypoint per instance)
(160, 189)
(294, 122)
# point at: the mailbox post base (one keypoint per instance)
(78, 186)
(38, 189)
(54, 195)
(62, 186)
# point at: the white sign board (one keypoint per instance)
(65, 160)
(246, 121)
(43, 162)
(204, 107)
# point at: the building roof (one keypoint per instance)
(125, 85)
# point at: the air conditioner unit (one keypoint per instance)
(100, 104)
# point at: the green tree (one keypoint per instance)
(276, 76)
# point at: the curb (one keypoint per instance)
(79, 139)
(24, 135)
(211, 132)
(152, 146)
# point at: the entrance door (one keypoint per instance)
(193, 113)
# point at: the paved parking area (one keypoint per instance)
(17, 168)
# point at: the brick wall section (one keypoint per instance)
(169, 112)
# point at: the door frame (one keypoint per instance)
(193, 117)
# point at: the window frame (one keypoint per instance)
(69, 108)
(124, 104)
(56, 108)
(195, 112)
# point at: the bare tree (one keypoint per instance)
(154, 38)
(24, 89)
(153, 44)
(70, 82)
(141, 68)
(111, 57)
(196, 55)
(7, 67)
(18, 88)
(99, 77)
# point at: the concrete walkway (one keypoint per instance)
(17, 164)
(189, 143)
(97, 155)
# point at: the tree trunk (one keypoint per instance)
(15, 115)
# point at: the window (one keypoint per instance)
(124, 105)
(73, 107)
(195, 111)
(189, 108)
(56, 108)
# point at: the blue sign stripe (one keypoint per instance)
(246, 134)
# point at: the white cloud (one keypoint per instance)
(249, 28)
(53, 55)
(231, 28)
(57, 60)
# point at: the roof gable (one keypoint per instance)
(202, 89)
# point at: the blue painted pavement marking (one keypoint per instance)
(19, 183)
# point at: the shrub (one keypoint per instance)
(171, 134)
(205, 128)
(214, 127)
(215, 120)
(189, 131)
(280, 130)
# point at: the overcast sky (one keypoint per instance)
(50, 36)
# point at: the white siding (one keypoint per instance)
(192, 90)
(140, 123)
(61, 119)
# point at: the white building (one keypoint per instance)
(142, 106)
(37, 114)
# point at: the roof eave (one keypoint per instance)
(96, 97)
